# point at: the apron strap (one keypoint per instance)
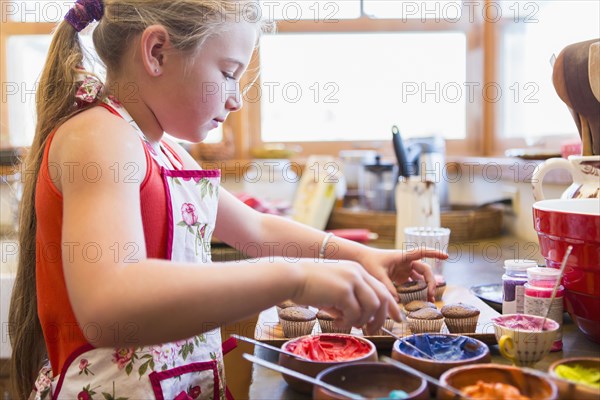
(229, 345)
(157, 152)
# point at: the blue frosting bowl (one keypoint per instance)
(447, 350)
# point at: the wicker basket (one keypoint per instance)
(381, 222)
(465, 223)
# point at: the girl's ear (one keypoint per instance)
(154, 42)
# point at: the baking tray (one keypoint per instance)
(268, 329)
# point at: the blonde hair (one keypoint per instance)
(189, 23)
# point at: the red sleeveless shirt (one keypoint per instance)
(61, 332)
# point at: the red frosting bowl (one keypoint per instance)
(321, 352)
(574, 222)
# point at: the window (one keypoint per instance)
(34, 11)
(347, 80)
(431, 67)
(529, 106)
(508, 97)
(441, 9)
(27, 54)
(369, 83)
(24, 42)
(310, 10)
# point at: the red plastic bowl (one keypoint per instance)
(575, 222)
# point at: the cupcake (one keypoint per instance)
(425, 320)
(440, 288)
(387, 324)
(286, 304)
(297, 321)
(417, 305)
(460, 318)
(326, 323)
(412, 290)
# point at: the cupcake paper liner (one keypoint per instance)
(425, 325)
(292, 329)
(462, 325)
(388, 324)
(439, 292)
(329, 327)
(406, 298)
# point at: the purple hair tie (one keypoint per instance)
(83, 12)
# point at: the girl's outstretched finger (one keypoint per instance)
(424, 252)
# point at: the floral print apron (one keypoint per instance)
(182, 370)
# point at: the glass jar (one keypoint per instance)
(513, 281)
(538, 292)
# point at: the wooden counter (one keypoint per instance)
(469, 264)
(267, 384)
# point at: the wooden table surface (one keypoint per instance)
(470, 264)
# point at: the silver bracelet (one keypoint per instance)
(324, 244)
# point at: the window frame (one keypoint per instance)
(473, 144)
(10, 28)
(496, 144)
(483, 39)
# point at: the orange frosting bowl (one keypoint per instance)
(321, 352)
(532, 386)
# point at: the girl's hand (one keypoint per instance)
(348, 292)
(397, 266)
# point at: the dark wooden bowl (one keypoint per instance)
(371, 380)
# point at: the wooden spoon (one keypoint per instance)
(571, 78)
(594, 68)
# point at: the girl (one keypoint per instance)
(115, 286)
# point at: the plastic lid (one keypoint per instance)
(543, 274)
(519, 265)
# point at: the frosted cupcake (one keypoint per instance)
(297, 321)
(412, 290)
(460, 318)
(425, 320)
(440, 288)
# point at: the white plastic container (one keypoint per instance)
(417, 204)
